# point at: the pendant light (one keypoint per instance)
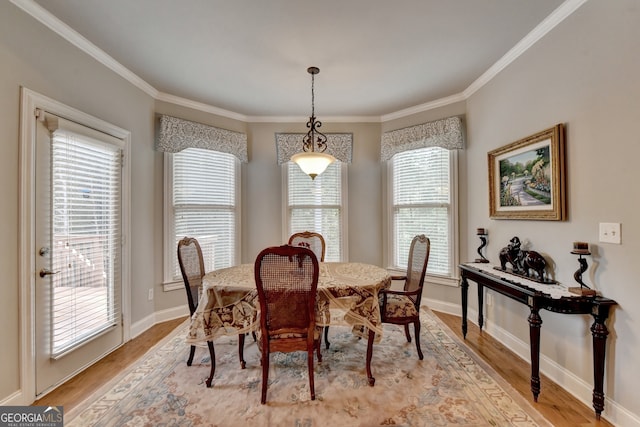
(312, 160)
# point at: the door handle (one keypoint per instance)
(44, 272)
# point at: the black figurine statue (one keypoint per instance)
(510, 254)
(522, 262)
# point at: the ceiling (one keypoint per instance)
(249, 57)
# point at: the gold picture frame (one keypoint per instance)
(527, 178)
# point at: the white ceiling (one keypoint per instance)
(249, 57)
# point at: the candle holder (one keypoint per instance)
(580, 249)
(482, 234)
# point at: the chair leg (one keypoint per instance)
(372, 335)
(326, 337)
(212, 353)
(317, 346)
(243, 364)
(310, 363)
(264, 361)
(406, 332)
(192, 352)
(417, 330)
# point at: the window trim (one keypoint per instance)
(169, 249)
(286, 217)
(454, 246)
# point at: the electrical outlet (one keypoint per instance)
(610, 232)
(150, 294)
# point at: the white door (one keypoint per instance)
(78, 245)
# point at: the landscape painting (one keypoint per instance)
(526, 178)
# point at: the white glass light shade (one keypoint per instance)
(312, 163)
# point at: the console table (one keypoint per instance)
(539, 296)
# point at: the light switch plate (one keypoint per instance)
(610, 232)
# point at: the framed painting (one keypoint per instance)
(527, 178)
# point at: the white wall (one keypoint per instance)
(585, 74)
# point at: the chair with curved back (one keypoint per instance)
(310, 240)
(402, 307)
(315, 242)
(192, 268)
(287, 281)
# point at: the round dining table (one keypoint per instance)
(347, 295)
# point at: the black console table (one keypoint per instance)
(535, 297)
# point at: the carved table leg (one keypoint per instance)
(464, 287)
(535, 322)
(372, 335)
(599, 332)
(480, 306)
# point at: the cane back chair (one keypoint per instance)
(192, 268)
(287, 280)
(402, 307)
(310, 240)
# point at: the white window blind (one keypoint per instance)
(86, 209)
(421, 204)
(205, 205)
(317, 205)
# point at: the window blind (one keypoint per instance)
(204, 205)
(422, 204)
(86, 190)
(316, 205)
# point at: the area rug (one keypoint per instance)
(450, 387)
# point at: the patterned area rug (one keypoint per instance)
(450, 387)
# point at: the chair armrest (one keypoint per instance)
(399, 292)
(398, 277)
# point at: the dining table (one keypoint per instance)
(347, 295)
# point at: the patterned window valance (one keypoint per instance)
(445, 133)
(339, 145)
(178, 134)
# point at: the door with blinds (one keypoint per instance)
(78, 244)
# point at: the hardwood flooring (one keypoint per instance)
(554, 403)
(78, 388)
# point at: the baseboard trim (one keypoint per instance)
(158, 317)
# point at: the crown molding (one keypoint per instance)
(72, 36)
(184, 102)
(423, 107)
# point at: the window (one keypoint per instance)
(203, 202)
(422, 191)
(317, 205)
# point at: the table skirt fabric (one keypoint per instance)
(347, 295)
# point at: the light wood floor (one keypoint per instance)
(554, 403)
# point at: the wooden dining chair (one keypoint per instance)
(315, 242)
(192, 268)
(402, 307)
(287, 281)
(310, 240)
